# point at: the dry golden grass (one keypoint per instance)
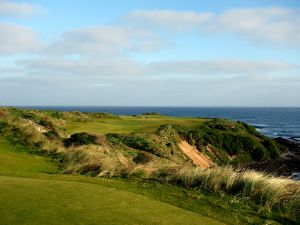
(268, 191)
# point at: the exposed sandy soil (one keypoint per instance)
(37, 127)
(198, 158)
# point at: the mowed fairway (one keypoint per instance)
(39, 201)
(29, 195)
(128, 124)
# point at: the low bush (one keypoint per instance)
(3, 126)
(142, 157)
(78, 139)
(52, 134)
(134, 141)
(151, 114)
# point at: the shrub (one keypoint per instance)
(45, 122)
(3, 125)
(52, 134)
(78, 139)
(134, 141)
(142, 157)
(250, 129)
(151, 114)
(274, 148)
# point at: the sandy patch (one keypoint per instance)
(198, 158)
(37, 127)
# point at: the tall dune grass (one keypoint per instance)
(268, 191)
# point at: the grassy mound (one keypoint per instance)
(236, 139)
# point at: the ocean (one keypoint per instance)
(273, 122)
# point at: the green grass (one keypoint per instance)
(32, 190)
(128, 124)
(15, 160)
(39, 201)
(31, 193)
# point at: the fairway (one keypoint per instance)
(128, 124)
(14, 160)
(38, 201)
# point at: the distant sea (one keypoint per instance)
(273, 122)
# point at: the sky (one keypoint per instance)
(150, 53)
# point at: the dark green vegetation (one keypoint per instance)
(236, 139)
(142, 155)
(78, 139)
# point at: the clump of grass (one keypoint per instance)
(94, 159)
(268, 191)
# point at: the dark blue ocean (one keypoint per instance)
(273, 122)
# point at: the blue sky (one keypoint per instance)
(155, 53)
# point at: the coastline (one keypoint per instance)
(287, 165)
(273, 122)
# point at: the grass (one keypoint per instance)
(30, 188)
(15, 160)
(129, 124)
(271, 193)
(40, 201)
(28, 191)
(29, 195)
(222, 194)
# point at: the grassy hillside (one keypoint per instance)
(16, 160)
(145, 152)
(42, 199)
(32, 191)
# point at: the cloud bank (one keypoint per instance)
(12, 9)
(274, 24)
(107, 60)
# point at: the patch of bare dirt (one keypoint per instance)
(37, 127)
(3, 113)
(198, 158)
(101, 140)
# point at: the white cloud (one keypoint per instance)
(105, 41)
(83, 68)
(17, 39)
(178, 21)
(219, 67)
(9, 8)
(125, 69)
(99, 62)
(274, 25)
